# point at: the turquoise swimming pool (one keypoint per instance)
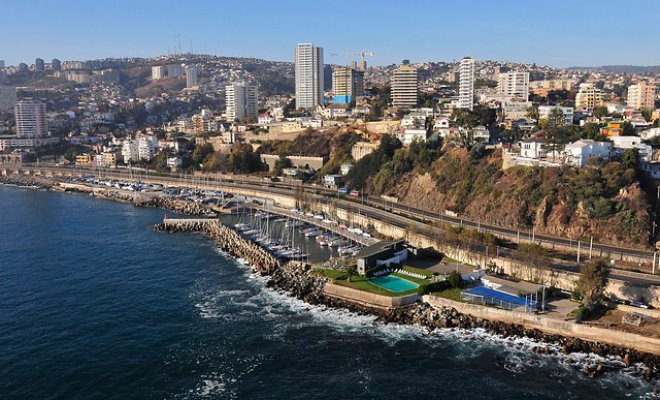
(393, 283)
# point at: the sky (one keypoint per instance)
(559, 33)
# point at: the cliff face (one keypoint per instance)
(605, 201)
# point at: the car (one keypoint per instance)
(343, 190)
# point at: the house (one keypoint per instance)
(567, 113)
(409, 135)
(532, 148)
(649, 134)
(578, 153)
(613, 128)
(383, 253)
(622, 143)
(333, 181)
(413, 120)
(480, 134)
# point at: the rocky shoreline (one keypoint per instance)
(298, 280)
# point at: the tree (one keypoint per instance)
(556, 118)
(455, 279)
(600, 112)
(630, 158)
(534, 258)
(627, 129)
(555, 141)
(591, 284)
(201, 153)
(533, 112)
(351, 270)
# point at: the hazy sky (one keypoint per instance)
(557, 33)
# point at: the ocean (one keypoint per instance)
(95, 305)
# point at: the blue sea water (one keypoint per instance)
(95, 305)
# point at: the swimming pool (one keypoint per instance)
(393, 283)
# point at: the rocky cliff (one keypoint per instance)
(605, 201)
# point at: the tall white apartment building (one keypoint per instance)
(466, 84)
(404, 86)
(158, 72)
(309, 76)
(242, 101)
(141, 148)
(514, 83)
(30, 119)
(588, 97)
(192, 76)
(641, 96)
(129, 150)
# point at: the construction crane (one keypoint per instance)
(362, 54)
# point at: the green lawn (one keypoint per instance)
(451, 294)
(358, 282)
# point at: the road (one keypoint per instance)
(396, 214)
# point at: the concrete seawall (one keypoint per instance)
(554, 326)
(368, 299)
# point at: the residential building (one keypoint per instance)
(129, 151)
(385, 253)
(515, 84)
(56, 64)
(588, 97)
(347, 84)
(466, 83)
(175, 71)
(192, 76)
(578, 153)
(147, 147)
(203, 123)
(242, 101)
(30, 119)
(309, 76)
(141, 148)
(409, 135)
(613, 128)
(542, 88)
(567, 112)
(532, 148)
(622, 143)
(404, 86)
(333, 181)
(7, 98)
(39, 65)
(158, 72)
(641, 96)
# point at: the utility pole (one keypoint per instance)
(591, 246)
(578, 253)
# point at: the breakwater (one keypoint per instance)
(228, 239)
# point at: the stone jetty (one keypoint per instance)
(229, 240)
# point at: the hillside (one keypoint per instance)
(606, 202)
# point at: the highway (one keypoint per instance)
(398, 214)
